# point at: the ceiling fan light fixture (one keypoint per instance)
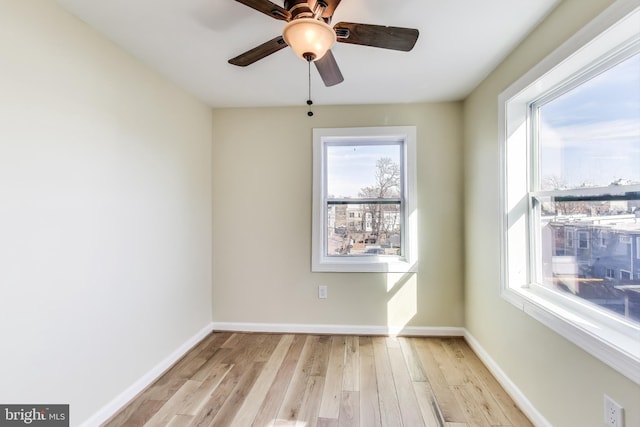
(309, 38)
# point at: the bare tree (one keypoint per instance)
(553, 182)
(386, 185)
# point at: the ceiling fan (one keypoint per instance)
(308, 33)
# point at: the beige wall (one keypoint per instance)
(105, 213)
(262, 187)
(564, 383)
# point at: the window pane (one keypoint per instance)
(590, 135)
(363, 229)
(587, 250)
(363, 171)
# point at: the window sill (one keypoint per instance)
(618, 350)
(363, 265)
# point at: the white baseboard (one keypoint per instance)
(134, 389)
(516, 394)
(295, 328)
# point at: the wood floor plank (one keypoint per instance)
(351, 374)
(409, 408)
(186, 367)
(332, 393)
(489, 384)
(242, 355)
(180, 421)
(259, 392)
(454, 371)
(269, 410)
(487, 404)
(447, 403)
(484, 398)
(265, 351)
(214, 402)
(135, 414)
(428, 404)
(321, 356)
(175, 405)
(215, 376)
(290, 408)
(349, 409)
(198, 356)
(310, 405)
(470, 406)
(411, 357)
(233, 340)
(236, 398)
(369, 399)
(210, 365)
(296, 380)
(327, 422)
(389, 405)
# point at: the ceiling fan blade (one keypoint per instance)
(329, 70)
(259, 52)
(395, 38)
(268, 8)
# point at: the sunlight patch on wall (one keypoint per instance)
(403, 304)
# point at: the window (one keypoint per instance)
(364, 203)
(603, 238)
(570, 176)
(583, 240)
(570, 237)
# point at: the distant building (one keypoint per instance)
(596, 258)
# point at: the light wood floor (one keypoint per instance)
(237, 379)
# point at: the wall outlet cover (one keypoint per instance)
(613, 413)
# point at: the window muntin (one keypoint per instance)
(364, 199)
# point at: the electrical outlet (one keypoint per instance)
(613, 413)
(322, 291)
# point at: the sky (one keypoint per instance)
(591, 135)
(350, 168)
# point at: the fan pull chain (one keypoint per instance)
(309, 101)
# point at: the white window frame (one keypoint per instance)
(408, 260)
(597, 331)
(570, 238)
(580, 240)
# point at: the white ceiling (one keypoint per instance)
(190, 41)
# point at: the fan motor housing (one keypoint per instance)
(298, 8)
(288, 4)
